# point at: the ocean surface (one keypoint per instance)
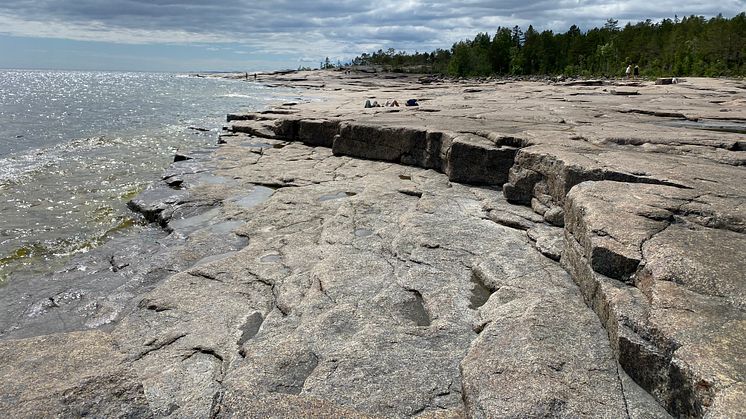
(76, 146)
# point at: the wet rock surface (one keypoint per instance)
(96, 288)
(520, 254)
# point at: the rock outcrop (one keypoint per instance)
(494, 257)
(668, 288)
(636, 224)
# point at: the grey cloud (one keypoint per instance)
(342, 26)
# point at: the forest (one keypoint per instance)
(691, 46)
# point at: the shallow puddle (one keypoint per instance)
(363, 232)
(256, 145)
(270, 258)
(263, 145)
(210, 179)
(259, 195)
(225, 227)
(338, 195)
(195, 222)
(738, 127)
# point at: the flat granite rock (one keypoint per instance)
(328, 260)
(72, 375)
(617, 187)
(538, 338)
(351, 297)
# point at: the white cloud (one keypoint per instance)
(322, 27)
(97, 31)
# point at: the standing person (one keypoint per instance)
(628, 72)
(637, 72)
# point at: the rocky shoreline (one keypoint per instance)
(505, 249)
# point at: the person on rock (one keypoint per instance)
(628, 71)
(636, 71)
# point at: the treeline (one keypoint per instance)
(692, 46)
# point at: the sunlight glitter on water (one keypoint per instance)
(76, 146)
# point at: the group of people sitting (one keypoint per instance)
(390, 103)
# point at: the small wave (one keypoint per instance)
(239, 95)
(68, 246)
(15, 169)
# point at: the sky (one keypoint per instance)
(259, 35)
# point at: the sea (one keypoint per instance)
(75, 146)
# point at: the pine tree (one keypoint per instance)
(688, 46)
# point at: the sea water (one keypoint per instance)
(76, 146)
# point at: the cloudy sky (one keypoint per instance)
(193, 35)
